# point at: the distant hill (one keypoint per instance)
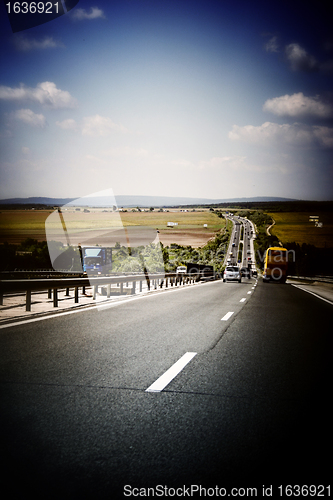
(36, 201)
(136, 201)
(168, 201)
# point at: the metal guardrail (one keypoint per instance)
(38, 273)
(53, 285)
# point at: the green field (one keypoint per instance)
(156, 218)
(296, 226)
(17, 225)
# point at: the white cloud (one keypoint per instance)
(26, 151)
(24, 43)
(272, 45)
(81, 14)
(296, 134)
(29, 118)
(299, 59)
(235, 164)
(324, 136)
(298, 105)
(69, 124)
(45, 93)
(100, 126)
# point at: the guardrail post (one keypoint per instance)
(55, 297)
(121, 287)
(28, 300)
(108, 292)
(67, 292)
(140, 285)
(166, 282)
(83, 290)
(95, 288)
(76, 294)
(1, 299)
(133, 287)
(49, 293)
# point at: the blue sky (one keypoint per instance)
(172, 98)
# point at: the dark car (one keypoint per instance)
(245, 272)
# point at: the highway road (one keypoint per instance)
(243, 232)
(89, 408)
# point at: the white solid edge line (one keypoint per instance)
(171, 373)
(227, 316)
(312, 293)
(51, 315)
(89, 307)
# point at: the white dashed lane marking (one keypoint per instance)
(227, 316)
(171, 373)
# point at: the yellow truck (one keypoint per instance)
(276, 264)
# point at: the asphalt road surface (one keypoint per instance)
(250, 408)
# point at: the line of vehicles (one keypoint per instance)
(275, 268)
(275, 265)
(98, 259)
(240, 263)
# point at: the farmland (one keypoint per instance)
(17, 225)
(296, 227)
